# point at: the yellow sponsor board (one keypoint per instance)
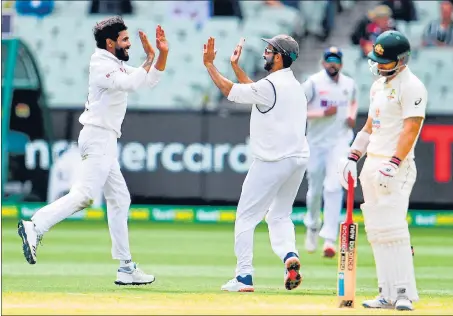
(227, 216)
(9, 211)
(93, 213)
(185, 215)
(141, 214)
(444, 219)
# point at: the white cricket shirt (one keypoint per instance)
(390, 103)
(278, 118)
(110, 80)
(323, 92)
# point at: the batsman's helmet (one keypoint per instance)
(390, 46)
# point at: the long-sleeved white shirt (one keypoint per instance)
(279, 114)
(110, 80)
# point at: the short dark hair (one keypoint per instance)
(108, 28)
(287, 61)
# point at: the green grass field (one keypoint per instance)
(75, 273)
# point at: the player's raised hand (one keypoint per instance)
(209, 52)
(237, 53)
(147, 47)
(161, 40)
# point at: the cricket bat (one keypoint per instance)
(347, 259)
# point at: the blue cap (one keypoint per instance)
(333, 55)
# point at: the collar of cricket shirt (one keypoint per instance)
(106, 53)
(281, 71)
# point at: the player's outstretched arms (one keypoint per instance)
(155, 73)
(220, 81)
(260, 93)
(358, 149)
(234, 59)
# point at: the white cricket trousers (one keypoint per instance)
(100, 170)
(269, 187)
(387, 229)
(324, 185)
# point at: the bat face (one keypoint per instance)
(347, 262)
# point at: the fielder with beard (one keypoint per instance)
(280, 155)
(110, 80)
(332, 111)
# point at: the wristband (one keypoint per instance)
(396, 161)
(354, 157)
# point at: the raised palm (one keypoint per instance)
(161, 40)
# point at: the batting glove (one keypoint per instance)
(386, 173)
(348, 165)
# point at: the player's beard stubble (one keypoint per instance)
(269, 62)
(120, 53)
(332, 71)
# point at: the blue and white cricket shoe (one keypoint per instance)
(239, 284)
(30, 240)
(133, 276)
(378, 302)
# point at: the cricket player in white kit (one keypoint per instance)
(110, 80)
(332, 111)
(280, 151)
(397, 111)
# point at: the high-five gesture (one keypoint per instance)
(147, 47)
(161, 40)
(237, 52)
(209, 52)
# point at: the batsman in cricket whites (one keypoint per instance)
(397, 110)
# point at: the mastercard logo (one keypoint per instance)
(22, 110)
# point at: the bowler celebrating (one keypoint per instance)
(397, 111)
(280, 152)
(332, 111)
(110, 80)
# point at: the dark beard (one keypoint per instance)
(120, 53)
(332, 72)
(269, 64)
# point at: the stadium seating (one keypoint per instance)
(63, 44)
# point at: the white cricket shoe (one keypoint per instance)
(239, 284)
(311, 240)
(403, 304)
(378, 302)
(329, 249)
(30, 239)
(133, 276)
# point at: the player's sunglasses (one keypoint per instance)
(270, 51)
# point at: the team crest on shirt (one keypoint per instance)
(391, 95)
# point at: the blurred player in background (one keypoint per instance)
(280, 152)
(397, 111)
(110, 80)
(332, 112)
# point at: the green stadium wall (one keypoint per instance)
(209, 214)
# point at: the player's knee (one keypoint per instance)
(273, 220)
(83, 195)
(332, 184)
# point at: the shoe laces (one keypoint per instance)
(138, 271)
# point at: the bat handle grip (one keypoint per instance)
(350, 199)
